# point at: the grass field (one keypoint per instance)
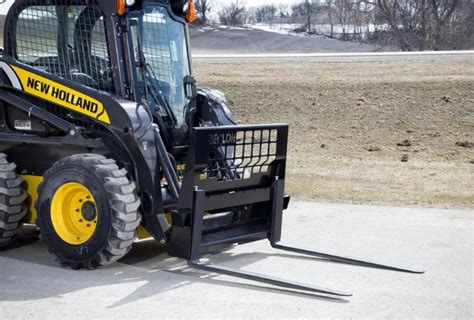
(371, 130)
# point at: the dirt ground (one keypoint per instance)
(394, 130)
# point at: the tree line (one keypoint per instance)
(407, 24)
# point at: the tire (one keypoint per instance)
(12, 202)
(88, 211)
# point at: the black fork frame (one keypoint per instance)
(187, 242)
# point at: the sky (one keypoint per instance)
(249, 3)
(4, 6)
(256, 3)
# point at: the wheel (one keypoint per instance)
(87, 211)
(12, 201)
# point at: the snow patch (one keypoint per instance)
(321, 30)
(231, 28)
(285, 29)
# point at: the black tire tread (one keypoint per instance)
(12, 201)
(124, 204)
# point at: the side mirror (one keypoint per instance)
(190, 87)
(178, 7)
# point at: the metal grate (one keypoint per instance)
(66, 40)
(240, 155)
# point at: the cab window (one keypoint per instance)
(67, 41)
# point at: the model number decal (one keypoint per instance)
(218, 139)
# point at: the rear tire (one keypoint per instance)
(88, 211)
(12, 202)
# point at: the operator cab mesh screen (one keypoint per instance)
(68, 41)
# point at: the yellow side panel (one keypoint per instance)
(143, 234)
(61, 95)
(31, 184)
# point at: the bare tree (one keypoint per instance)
(330, 4)
(409, 24)
(460, 34)
(441, 13)
(306, 8)
(233, 14)
(266, 13)
(393, 12)
(283, 11)
(203, 8)
(418, 24)
(343, 13)
(367, 16)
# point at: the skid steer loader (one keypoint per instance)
(105, 136)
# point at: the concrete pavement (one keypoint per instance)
(148, 283)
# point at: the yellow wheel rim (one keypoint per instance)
(74, 213)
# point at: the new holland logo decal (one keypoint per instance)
(59, 94)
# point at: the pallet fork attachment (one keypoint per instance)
(233, 169)
(195, 262)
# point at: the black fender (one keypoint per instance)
(213, 108)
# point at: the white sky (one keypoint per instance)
(4, 6)
(250, 3)
(256, 3)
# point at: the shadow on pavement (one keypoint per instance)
(147, 262)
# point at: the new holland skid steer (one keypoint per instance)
(105, 136)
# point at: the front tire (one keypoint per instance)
(88, 211)
(12, 202)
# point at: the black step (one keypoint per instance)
(237, 235)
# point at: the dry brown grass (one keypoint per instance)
(347, 117)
